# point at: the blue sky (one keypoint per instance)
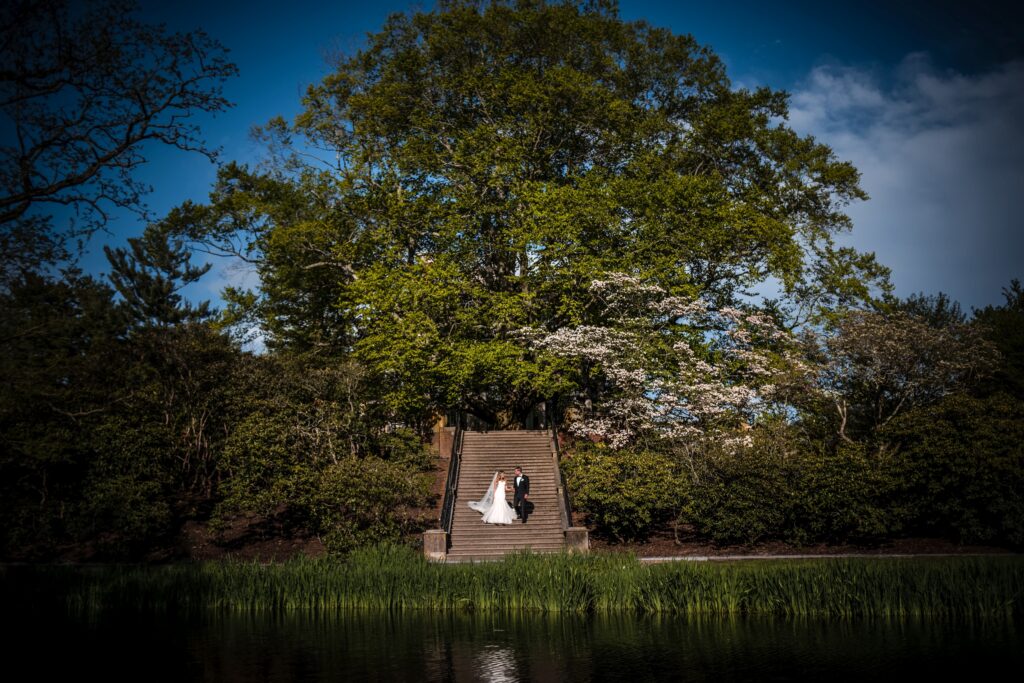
(925, 98)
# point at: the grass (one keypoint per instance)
(397, 578)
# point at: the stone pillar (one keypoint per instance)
(435, 545)
(577, 539)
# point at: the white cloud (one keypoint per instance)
(942, 157)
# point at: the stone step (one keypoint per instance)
(463, 543)
(507, 433)
(508, 463)
(498, 552)
(482, 454)
(480, 528)
(521, 449)
(533, 447)
(486, 470)
(554, 541)
(537, 512)
(484, 480)
(532, 522)
(505, 443)
(487, 475)
(505, 462)
(553, 533)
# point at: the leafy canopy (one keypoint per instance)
(484, 162)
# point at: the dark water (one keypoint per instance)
(479, 647)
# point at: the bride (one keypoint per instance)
(494, 505)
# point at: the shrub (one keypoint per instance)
(743, 494)
(125, 503)
(361, 501)
(265, 465)
(963, 462)
(782, 486)
(848, 493)
(623, 492)
(277, 463)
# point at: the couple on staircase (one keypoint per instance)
(494, 505)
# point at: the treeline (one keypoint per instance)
(123, 417)
(893, 450)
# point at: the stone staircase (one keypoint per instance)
(482, 454)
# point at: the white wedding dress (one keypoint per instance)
(493, 505)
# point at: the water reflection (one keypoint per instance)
(496, 664)
(487, 647)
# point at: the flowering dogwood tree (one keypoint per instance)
(672, 366)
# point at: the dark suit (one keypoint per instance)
(521, 485)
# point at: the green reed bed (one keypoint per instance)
(396, 578)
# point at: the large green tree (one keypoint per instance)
(484, 162)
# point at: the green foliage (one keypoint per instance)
(402, 445)
(624, 493)
(848, 494)
(150, 276)
(126, 502)
(744, 496)
(963, 466)
(303, 456)
(265, 464)
(1004, 327)
(395, 578)
(781, 485)
(274, 468)
(951, 469)
(61, 366)
(361, 501)
(493, 160)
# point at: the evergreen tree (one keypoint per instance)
(150, 275)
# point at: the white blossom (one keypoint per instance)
(726, 368)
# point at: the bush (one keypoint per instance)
(848, 493)
(963, 462)
(125, 503)
(362, 501)
(283, 462)
(743, 494)
(781, 486)
(624, 493)
(264, 465)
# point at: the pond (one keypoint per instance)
(419, 646)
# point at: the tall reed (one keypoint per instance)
(397, 578)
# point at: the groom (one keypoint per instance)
(521, 485)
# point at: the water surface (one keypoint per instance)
(490, 647)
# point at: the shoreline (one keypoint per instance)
(397, 578)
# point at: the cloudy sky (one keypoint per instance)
(925, 98)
